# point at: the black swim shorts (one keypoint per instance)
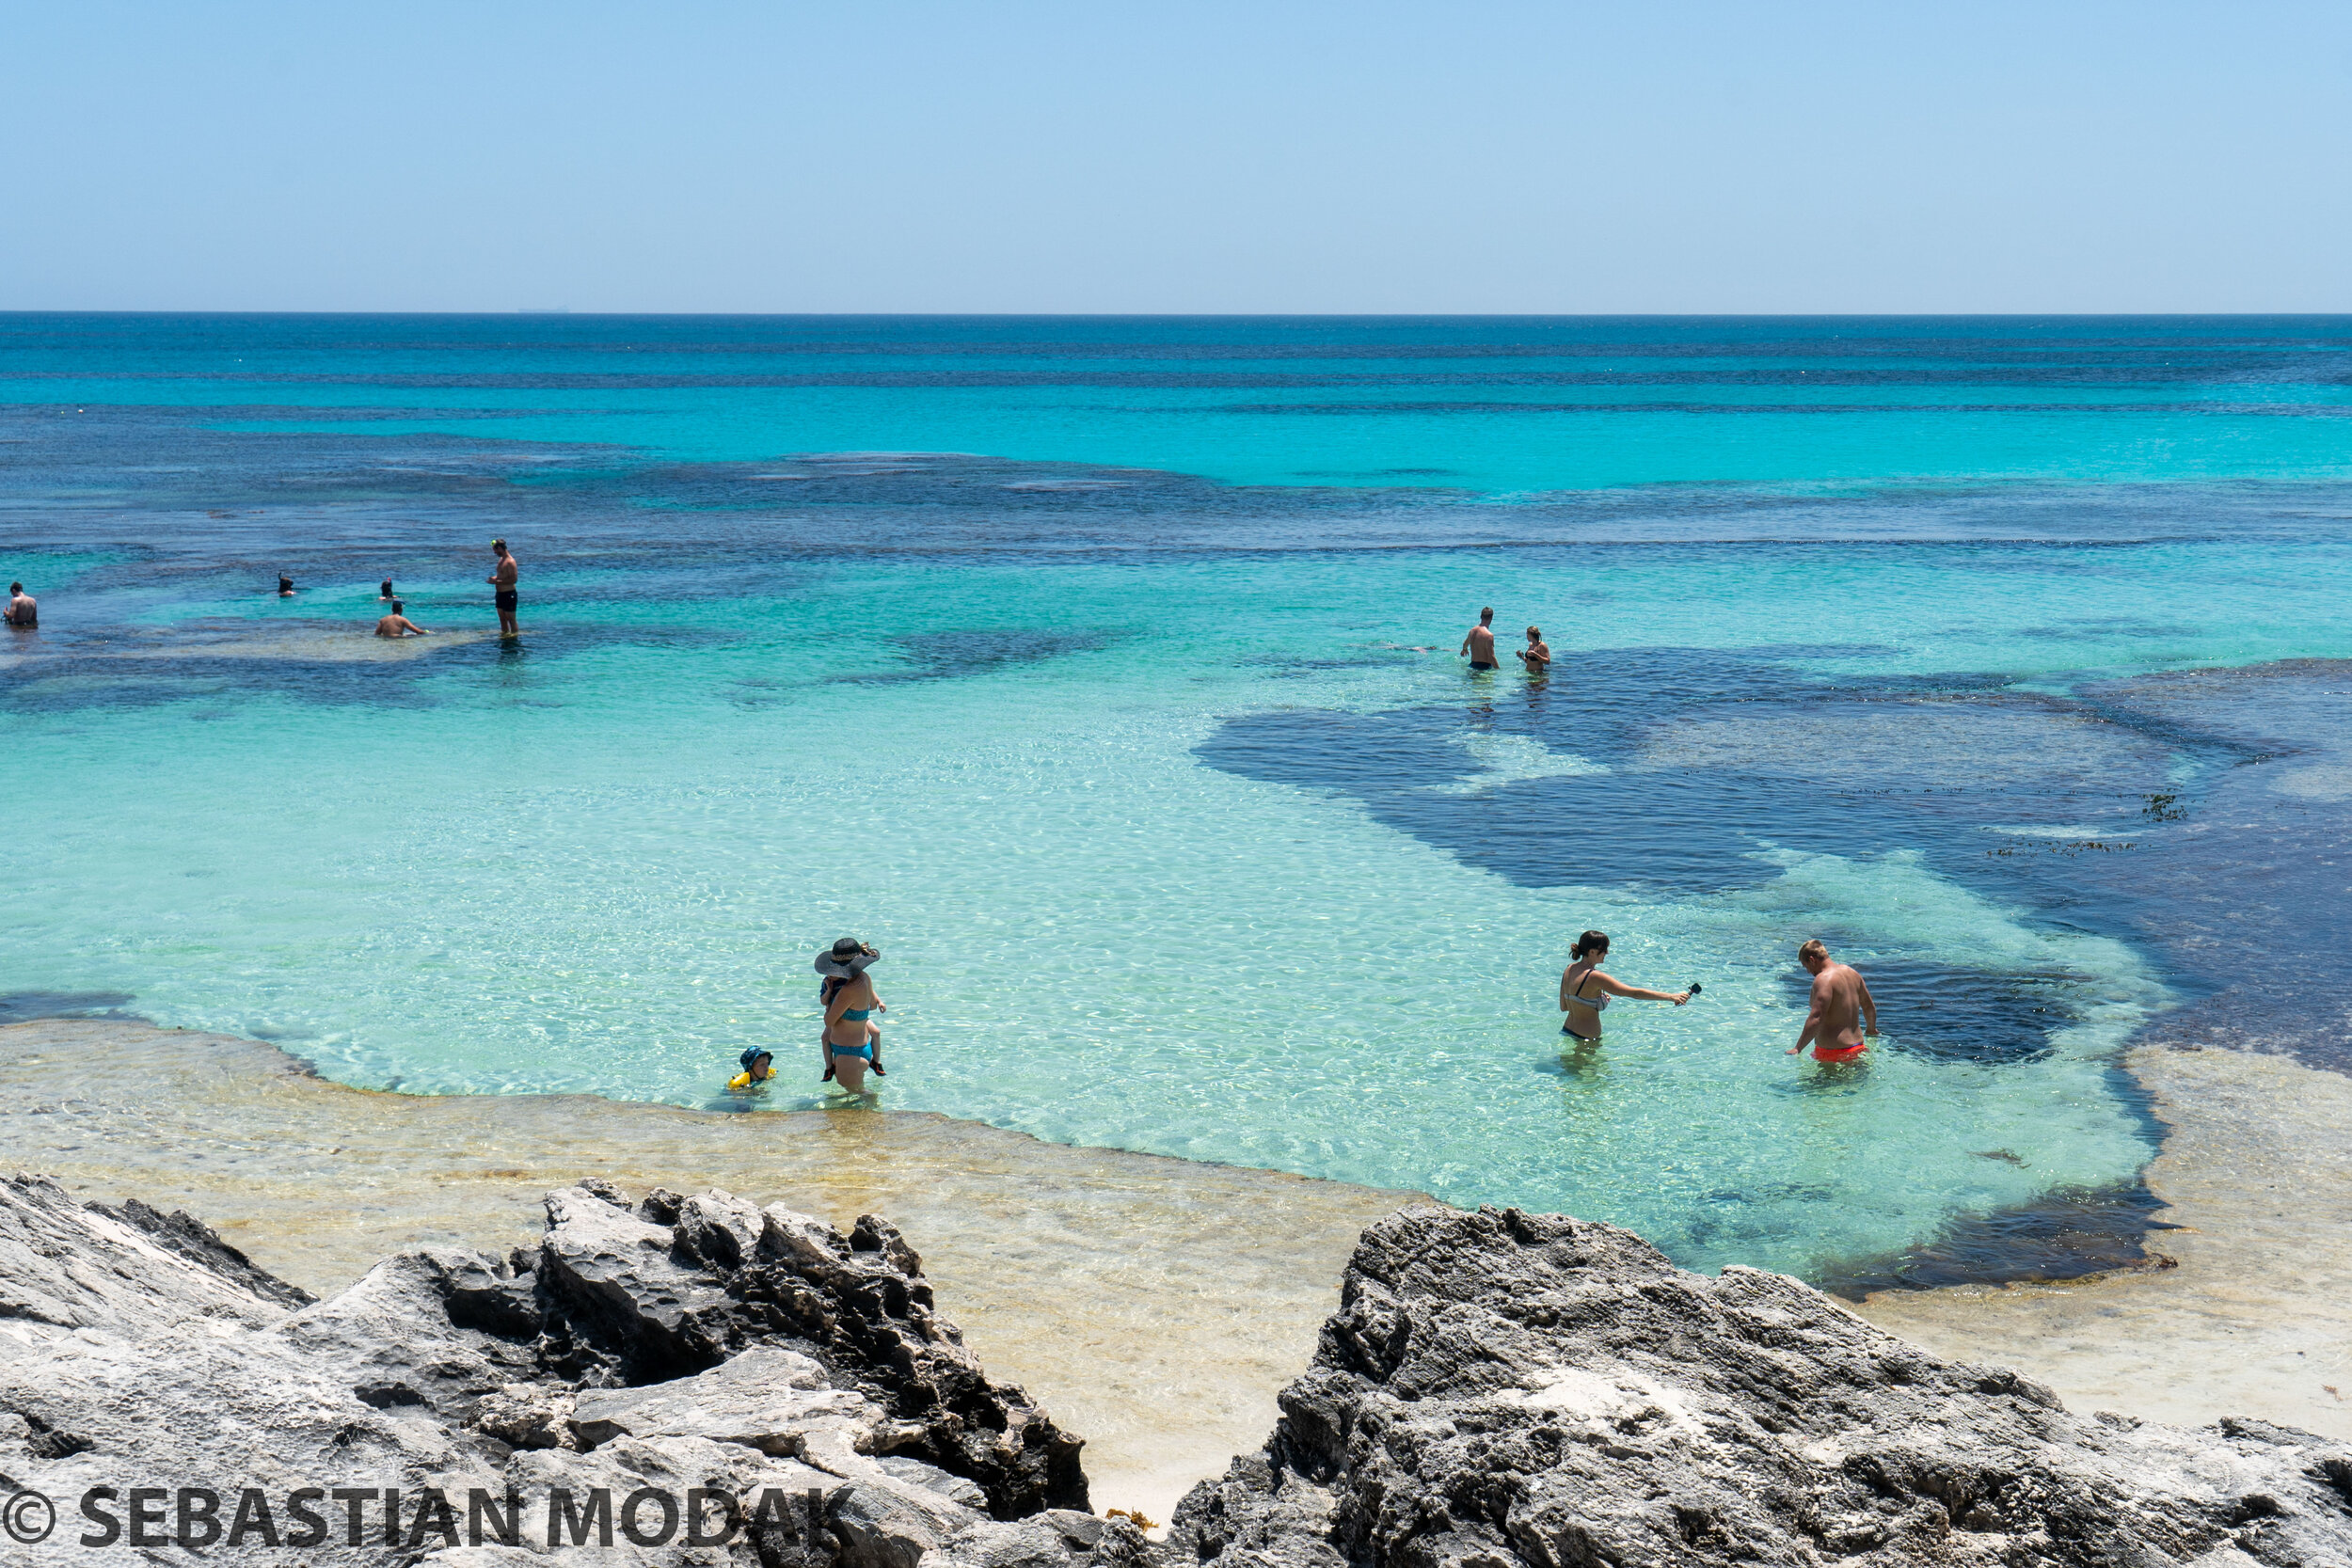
(508, 599)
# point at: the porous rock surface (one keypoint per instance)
(1495, 1389)
(672, 1344)
(1502, 1388)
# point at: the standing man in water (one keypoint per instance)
(1842, 1020)
(503, 581)
(1480, 644)
(24, 611)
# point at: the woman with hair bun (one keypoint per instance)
(1585, 990)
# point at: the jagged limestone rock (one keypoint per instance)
(675, 1285)
(1503, 1388)
(761, 1361)
(1495, 1389)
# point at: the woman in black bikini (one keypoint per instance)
(1585, 990)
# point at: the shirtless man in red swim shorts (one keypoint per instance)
(1832, 1027)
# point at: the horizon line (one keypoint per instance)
(552, 312)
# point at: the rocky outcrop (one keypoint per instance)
(1503, 1388)
(694, 1379)
(673, 1286)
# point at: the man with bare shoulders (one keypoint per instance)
(502, 579)
(398, 624)
(1842, 1020)
(1480, 644)
(24, 611)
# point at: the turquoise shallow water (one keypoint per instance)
(1135, 738)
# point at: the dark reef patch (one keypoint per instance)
(2070, 1233)
(23, 1006)
(1970, 1015)
(948, 654)
(1712, 761)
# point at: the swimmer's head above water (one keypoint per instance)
(758, 1066)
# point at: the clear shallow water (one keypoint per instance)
(1178, 823)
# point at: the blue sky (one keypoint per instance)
(217, 154)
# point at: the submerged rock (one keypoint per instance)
(1503, 1388)
(691, 1379)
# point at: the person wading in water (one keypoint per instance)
(1842, 1021)
(398, 624)
(1537, 656)
(1585, 990)
(1480, 644)
(852, 1039)
(501, 579)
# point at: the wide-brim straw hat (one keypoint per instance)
(835, 968)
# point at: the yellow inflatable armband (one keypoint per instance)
(740, 1081)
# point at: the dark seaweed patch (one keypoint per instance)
(1697, 830)
(2064, 1234)
(1692, 828)
(948, 654)
(19, 1006)
(1709, 821)
(1936, 1009)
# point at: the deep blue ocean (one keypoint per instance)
(1102, 671)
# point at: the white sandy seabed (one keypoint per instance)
(1155, 1305)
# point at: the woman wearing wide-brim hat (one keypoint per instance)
(853, 1041)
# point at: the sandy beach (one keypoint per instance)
(1153, 1305)
(2256, 1318)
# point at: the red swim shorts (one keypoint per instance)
(1842, 1054)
